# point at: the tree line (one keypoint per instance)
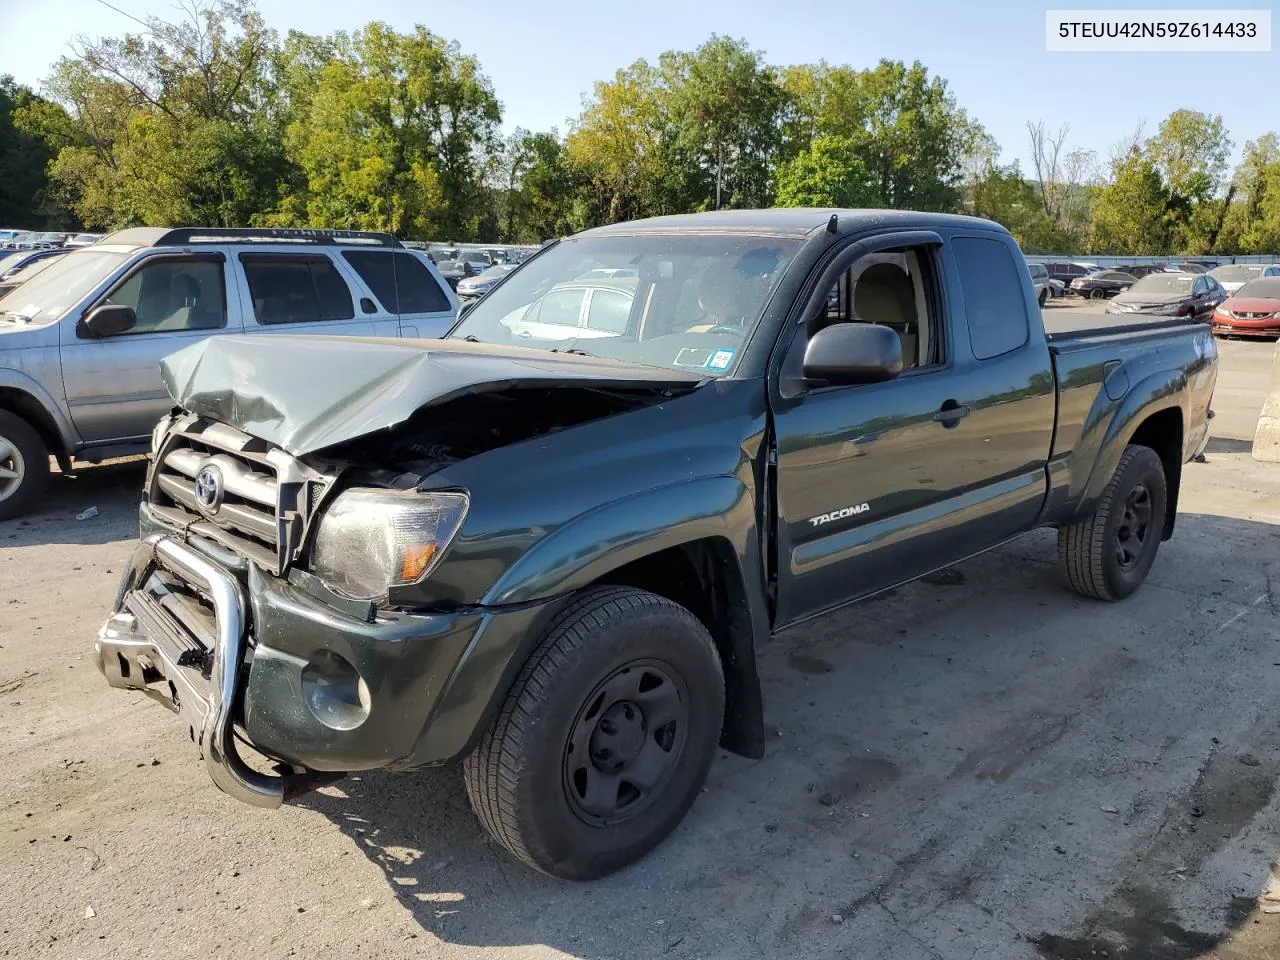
(214, 119)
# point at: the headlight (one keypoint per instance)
(369, 540)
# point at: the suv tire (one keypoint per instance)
(1108, 554)
(606, 737)
(24, 465)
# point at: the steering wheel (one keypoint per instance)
(725, 328)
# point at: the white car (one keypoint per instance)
(1233, 276)
(579, 309)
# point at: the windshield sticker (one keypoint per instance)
(720, 360)
(692, 357)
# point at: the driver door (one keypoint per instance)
(113, 385)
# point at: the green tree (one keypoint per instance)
(830, 172)
(723, 107)
(1003, 194)
(905, 126)
(1132, 214)
(397, 135)
(25, 199)
(1252, 224)
(615, 144)
(1190, 150)
(169, 126)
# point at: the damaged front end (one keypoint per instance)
(260, 604)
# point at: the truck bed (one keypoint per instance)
(1067, 326)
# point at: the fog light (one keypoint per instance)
(334, 692)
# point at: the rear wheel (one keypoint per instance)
(606, 737)
(1044, 298)
(1097, 293)
(1108, 554)
(24, 465)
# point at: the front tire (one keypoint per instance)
(1044, 298)
(606, 736)
(1108, 554)
(24, 465)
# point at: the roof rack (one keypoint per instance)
(185, 236)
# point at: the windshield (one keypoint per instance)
(1268, 287)
(493, 273)
(30, 269)
(1164, 285)
(682, 301)
(451, 266)
(11, 261)
(1236, 272)
(49, 295)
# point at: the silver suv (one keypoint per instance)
(81, 342)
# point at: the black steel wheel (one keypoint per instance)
(606, 737)
(1108, 553)
(1097, 293)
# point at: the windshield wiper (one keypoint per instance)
(574, 350)
(20, 317)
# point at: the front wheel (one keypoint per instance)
(1044, 298)
(1108, 554)
(606, 736)
(24, 465)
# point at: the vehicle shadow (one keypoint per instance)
(1228, 445)
(981, 764)
(114, 488)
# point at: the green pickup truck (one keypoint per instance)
(548, 547)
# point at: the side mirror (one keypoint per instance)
(848, 353)
(466, 307)
(108, 320)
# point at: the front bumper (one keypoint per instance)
(135, 651)
(1247, 328)
(258, 666)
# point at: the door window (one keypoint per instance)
(292, 289)
(1201, 287)
(890, 288)
(378, 271)
(993, 296)
(174, 294)
(417, 288)
(561, 307)
(609, 310)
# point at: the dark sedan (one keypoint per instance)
(1102, 283)
(1194, 296)
(1252, 311)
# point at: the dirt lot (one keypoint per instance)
(978, 766)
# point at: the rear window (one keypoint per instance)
(417, 288)
(293, 289)
(994, 302)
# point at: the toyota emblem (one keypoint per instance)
(209, 489)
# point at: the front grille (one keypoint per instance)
(1242, 315)
(233, 488)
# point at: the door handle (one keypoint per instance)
(951, 413)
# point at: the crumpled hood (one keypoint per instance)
(305, 393)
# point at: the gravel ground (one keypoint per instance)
(980, 765)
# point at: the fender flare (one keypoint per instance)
(1155, 394)
(604, 539)
(16, 380)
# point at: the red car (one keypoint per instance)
(1252, 311)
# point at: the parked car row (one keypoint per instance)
(35, 240)
(81, 342)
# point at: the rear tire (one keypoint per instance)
(606, 736)
(1097, 293)
(24, 465)
(1044, 298)
(1108, 554)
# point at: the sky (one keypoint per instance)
(543, 56)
